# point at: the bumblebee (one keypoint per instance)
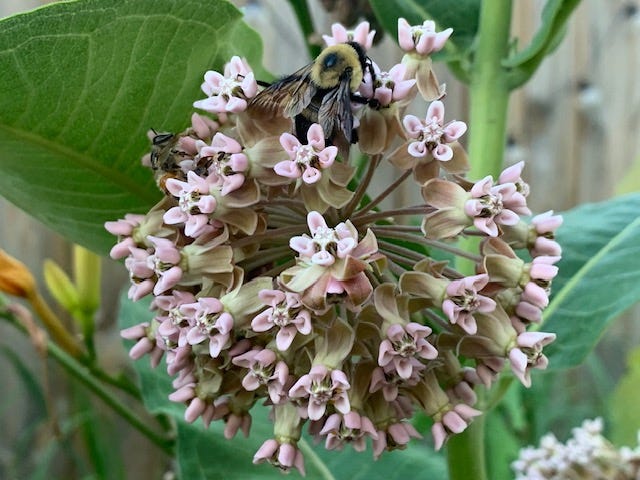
(320, 92)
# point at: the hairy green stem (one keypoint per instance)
(489, 99)
(489, 90)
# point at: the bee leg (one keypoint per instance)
(373, 103)
(301, 127)
(263, 83)
(354, 136)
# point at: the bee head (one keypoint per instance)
(337, 63)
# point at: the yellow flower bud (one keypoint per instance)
(15, 277)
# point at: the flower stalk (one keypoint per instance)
(489, 100)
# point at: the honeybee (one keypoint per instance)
(164, 157)
(169, 160)
(320, 92)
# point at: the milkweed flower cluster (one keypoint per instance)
(277, 278)
(586, 454)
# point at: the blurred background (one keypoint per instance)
(575, 123)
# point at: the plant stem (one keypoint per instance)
(362, 187)
(86, 275)
(466, 461)
(489, 99)
(54, 325)
(80, 373)
(489, 90)
(301, 9)
(373, 203)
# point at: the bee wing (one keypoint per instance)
(335, 110)
(288, 96)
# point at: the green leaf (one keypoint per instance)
(625, 415)
(599, 276)
(461, 15)
(82, 83)
(552, 29)
(205, 454)
(418, 460)
(630, 182)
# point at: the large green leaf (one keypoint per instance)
(599, 276)
(552, 29)
(625, 415)
(204, 454)
(461, 15)
(81, 82)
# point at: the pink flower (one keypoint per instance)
(527, 354)
(463, 301)
(326, 243)
(488, 369)
(286, 312)
(544, 226)
(145, 344)
(404, 343)
(513, 174)
(195, 203)
(228, 92)
(228, 164)
(331, 263)
(208, 322)
(264, 370)
(199, 404)
(322, 387)
(396, 435)
(173, 323)
(455, 420)
(282, 455)
(422, 39)
(432, 134)
(124, 228)
(235, 422)
(348, 428)
(491, 205)
(389, 86)
(141, 274)
(361, 35)
(306, 161)
(388, 380)
(165, 262)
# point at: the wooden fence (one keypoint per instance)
(576, 123)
